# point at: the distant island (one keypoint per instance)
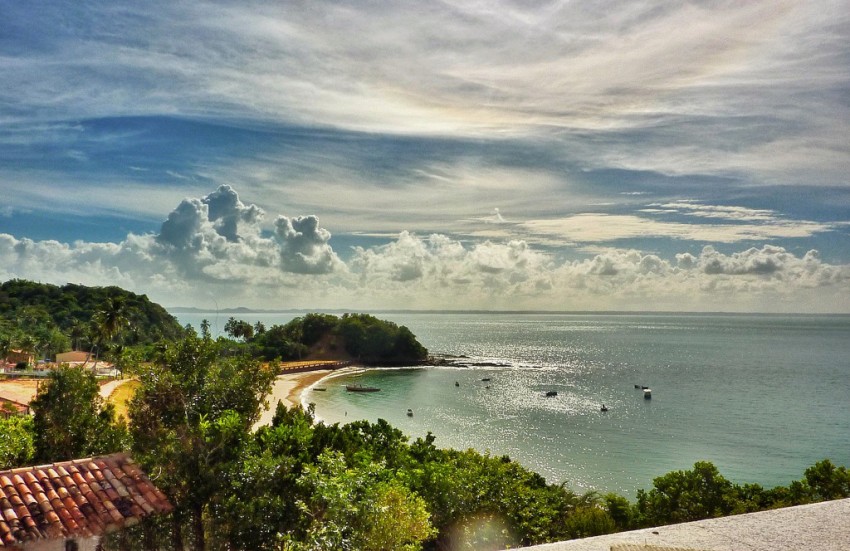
(242, 310)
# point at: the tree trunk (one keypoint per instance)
(149, 539)
(198, 527)
(177, 531)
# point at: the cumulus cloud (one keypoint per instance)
(442, 272)
(304, 247)
(211, 242)
(219, 237)
(226, 212)
(215, 246)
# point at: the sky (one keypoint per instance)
(499, 155)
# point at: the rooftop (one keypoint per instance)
(79, 498)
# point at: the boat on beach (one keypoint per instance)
(361, 388)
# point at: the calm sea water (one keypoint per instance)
(762, 397)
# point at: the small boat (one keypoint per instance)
(637, 386)
(457, 383)
(320, 389)
(361, 388)
(486, 379)
(647, 394)
(551, 393)
(410, 413)
(603, 409)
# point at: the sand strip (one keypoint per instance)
(287, 388)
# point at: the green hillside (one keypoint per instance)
(49, 312)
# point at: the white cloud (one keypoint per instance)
(304, 247)
(439, 272)
(596, 227)
(696, 208)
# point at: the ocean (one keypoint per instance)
(762, 397)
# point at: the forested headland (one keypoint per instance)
(299, 485)
(361, 338)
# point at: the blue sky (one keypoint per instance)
(369, 155)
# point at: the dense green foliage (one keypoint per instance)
(47, 319)
(16, 441)
(361, 337)
(682, 496)
(71, 420)
(190, 421)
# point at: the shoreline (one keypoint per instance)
(287, 389)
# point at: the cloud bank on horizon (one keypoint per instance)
(504, 155)
(214, 247)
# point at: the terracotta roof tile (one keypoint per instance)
(75, 498)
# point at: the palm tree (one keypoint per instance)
(77, 332)
(28, 345)
(109, 321)
(7, 344)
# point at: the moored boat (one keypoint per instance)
(361, 388)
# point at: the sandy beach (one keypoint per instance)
(287, 388)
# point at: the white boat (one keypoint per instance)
(647, 394)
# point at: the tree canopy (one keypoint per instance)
(58, 318)
(360, 337)
(71, 420)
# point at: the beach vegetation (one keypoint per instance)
(239, 329)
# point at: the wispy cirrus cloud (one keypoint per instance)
(724, 212)
(598, 227)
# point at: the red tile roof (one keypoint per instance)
(79, 498)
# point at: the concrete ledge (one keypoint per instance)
(816, 527)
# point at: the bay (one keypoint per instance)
(762, 397)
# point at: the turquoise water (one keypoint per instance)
(763, 397)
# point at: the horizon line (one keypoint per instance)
(245, 310)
